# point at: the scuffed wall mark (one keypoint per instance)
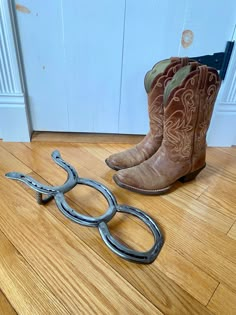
(22, 9)
(187, 38)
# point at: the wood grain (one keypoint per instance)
(160, 289)
(231, 151)
(88, 166)
(199, 235)
(208, 214)
(223, 301)
(26, 291)
(72, 271)
(232, 231)
(197, 282)
(197, 241)
(5, 306)
(115, 148)
(7, 162)
(222, 196)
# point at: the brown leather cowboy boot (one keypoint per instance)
(155, 82)
(188, 104)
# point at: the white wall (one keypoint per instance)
(13, 113)
(85, 62)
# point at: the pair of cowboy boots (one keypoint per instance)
(181, 97)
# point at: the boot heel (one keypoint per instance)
(191, 176)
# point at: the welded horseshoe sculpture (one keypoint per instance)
(73, 179)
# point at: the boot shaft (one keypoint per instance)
(157, 83)
(208, 94)
(188, 105)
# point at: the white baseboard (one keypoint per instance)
(14, 124)
(222, 132)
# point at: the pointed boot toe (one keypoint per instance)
(140, 179)
(122, 160)
(112, 163)
(121, 179)
(127, 179)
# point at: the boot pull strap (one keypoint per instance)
(184, 61)
(194, 65)
(203, 72)
(173, 59)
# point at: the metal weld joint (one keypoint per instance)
(57, 192)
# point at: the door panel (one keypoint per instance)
(40, 31)
(212, 23)
(72, 53)
(93, 39)
(213, 26)
(153, 31)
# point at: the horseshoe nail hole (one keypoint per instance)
(131, 231)
(36, 177)
(86, 200)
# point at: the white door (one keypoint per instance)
(155, 30)
(85, 60)
(72, 53)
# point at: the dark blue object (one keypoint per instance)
(219, 61)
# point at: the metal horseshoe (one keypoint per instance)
(73, 179)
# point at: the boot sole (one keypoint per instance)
(183, 179)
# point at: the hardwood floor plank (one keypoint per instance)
(100, 152)
(38, 158)
(223, 301)
(185, 274)
(7, 162)
(208, 214)
(5, 306)
(115, 148)
(197, 241)
(222, 195)
(195, 235)
(193, 189)
(27, 293)
(82, 281)
(223, 160)
(232, 232)
(88, 166)
(160, 290)
(219, 166)
(192, 279)
(231, 151)
(96, 169)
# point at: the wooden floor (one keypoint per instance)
(50, 265)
